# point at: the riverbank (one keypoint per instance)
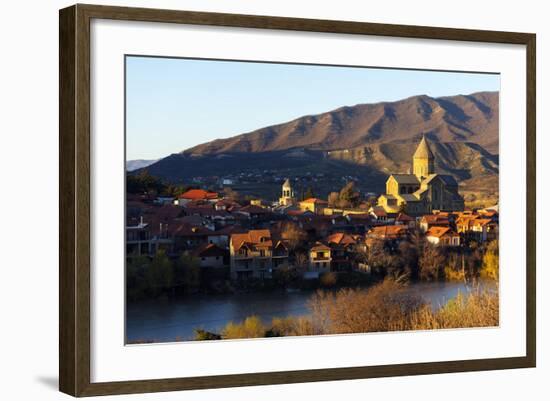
(168, 320)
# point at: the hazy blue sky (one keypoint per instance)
(173, 104)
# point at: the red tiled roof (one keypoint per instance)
(209, 250)
(341, 239)
(389, 231)
(404, 217)
(198, 194)
(319, 246)
(439, 232)
(435, 219)
(252, 237)
(482, 222)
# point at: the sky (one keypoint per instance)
(173, 104)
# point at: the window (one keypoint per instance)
(262, 253)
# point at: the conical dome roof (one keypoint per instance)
(287, 184)
(423, 150)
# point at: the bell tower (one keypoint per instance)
(423, 160)
(287, 196)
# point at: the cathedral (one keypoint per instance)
(422, 191)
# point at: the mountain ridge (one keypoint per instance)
(472, 118)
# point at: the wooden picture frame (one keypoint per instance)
(74, 204)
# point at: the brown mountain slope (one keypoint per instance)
(462, 118)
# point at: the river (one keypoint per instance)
(165, 320)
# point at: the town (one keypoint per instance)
(218, 241)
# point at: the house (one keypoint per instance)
(211, 255)
(378, 213)
(255, 254)
(196, 195)
(258, 202)
(320, 258)
(478, 227)
(443, 236)
(226, 205)
(189, 236)
(314, 205)
(406, 220)
(164, 200)
(197, 207)
(138, 238)
(360, 223)
(159, 220)
(342, 248)
(254, 212)
(390, 235)
(433, 220)
(389, 232)
(221, 237)
(484, 230)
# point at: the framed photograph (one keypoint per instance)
(250, 200)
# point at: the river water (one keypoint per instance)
(164, 320)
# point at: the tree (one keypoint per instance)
(383, 307)
(252, 327)
(490, 262)
(136, 282)
(301, 260)
(231, 194)
(333, 199)
(431, 263)
(293, 235)
(408, 253)
(143, 182)
(348, 196)
(375, 255)
(202, 335)
(188, 273)
(160, 275)
(176, 190)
